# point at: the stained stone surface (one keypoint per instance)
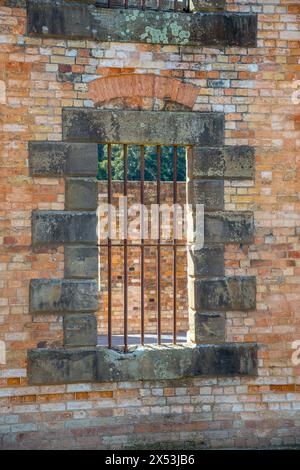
(228, 162)
(59, 366)
(209, 5)
(59, 227)
(81, 194)
(141, 127)
(63, 158)
(81, 261)
(207, 327)
(63, 296)
(55, 18)
(228, 227)
(223, 294)
(80, 330)
(210, 193)
(206, 262)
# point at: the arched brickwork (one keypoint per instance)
(142, 86)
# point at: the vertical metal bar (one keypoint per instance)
(125, 153)
(142, 197)
(158, 4)
(175, 5)
(109, 248)
(143, 4)
(175, 158)
(158, 154)
(126, 3)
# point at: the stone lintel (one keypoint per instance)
(63, 296)
(59, 159)
(59, 227)
(59, 19)
(143, 127)
(61, 366)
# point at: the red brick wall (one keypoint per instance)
(257, 98)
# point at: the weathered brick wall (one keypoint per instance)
(254, 87)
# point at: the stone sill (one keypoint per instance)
(153, 363)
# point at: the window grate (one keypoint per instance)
(172, 243)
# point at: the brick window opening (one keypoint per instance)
(158, 5)
(142, 255)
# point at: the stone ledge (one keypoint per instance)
(63, 159)
(228, 162)
(62, 366)
(63, 296)
(59, 227)
(142, 127)
(223, 294)
(58, 19)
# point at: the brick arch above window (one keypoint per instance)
(142, 85)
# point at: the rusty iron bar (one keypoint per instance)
(174, 245)
(158, 269)
(109, 246)
(125, 154)
(142, 197)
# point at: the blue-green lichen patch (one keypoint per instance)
(78, 20)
